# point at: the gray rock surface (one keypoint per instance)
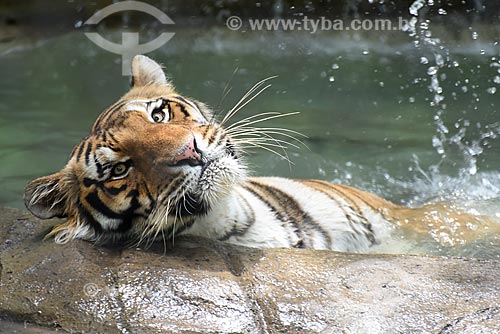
(205, 287)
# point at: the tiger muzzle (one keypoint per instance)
(189, 155)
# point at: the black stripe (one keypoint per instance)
(101, 168)
(280, 212)
(211, 139)
(125, 217)
(180, 98)
(80, 151)
(198, 107)
(94, 200)
(207, 128)
(87, 182)
(374, 209)
(276, 212)
(183, 109)
(220, 139)
(353, 208)
(87, 152)
(370, 235)
(152, 201)
(112, 137)
(116, 190)
(129, 215)
(87, 218)
(291, 212)
(104, 117)
(190, 103)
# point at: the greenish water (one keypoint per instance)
(364, 103)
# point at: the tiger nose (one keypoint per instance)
(190, 154)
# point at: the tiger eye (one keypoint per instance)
(158, 116)
(119, 169)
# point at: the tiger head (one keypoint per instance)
(152, 162)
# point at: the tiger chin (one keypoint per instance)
(156, 165)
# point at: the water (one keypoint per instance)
(412, 122)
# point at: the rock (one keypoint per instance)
(201, 286)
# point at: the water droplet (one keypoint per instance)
(424, 60)
(381, 84)
(335, 66)
(323, 74)
(474, 35)
(439, 59)
(432, 70)
(441, 11)
(411, 99)
(78, 24)
(365, 52)
(416, 6)
(424, 25)
(492, 90)
(465, 89)
(331, 78)
(496, 79)
(482, 52)
(455, 63)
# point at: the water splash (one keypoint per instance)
(446, 140)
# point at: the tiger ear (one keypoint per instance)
(44, 197)
(145, 71)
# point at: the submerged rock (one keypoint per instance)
(200, 286)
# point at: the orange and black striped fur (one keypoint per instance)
(156, 164)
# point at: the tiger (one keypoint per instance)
(157, 164)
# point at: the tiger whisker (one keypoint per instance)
(227, 89)
(241, 103)
(256, 132)
(250, 91)
(263, 137)
(266, 142)
(252, 117)
(234, 111)
(262, 120)
(284, 157)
